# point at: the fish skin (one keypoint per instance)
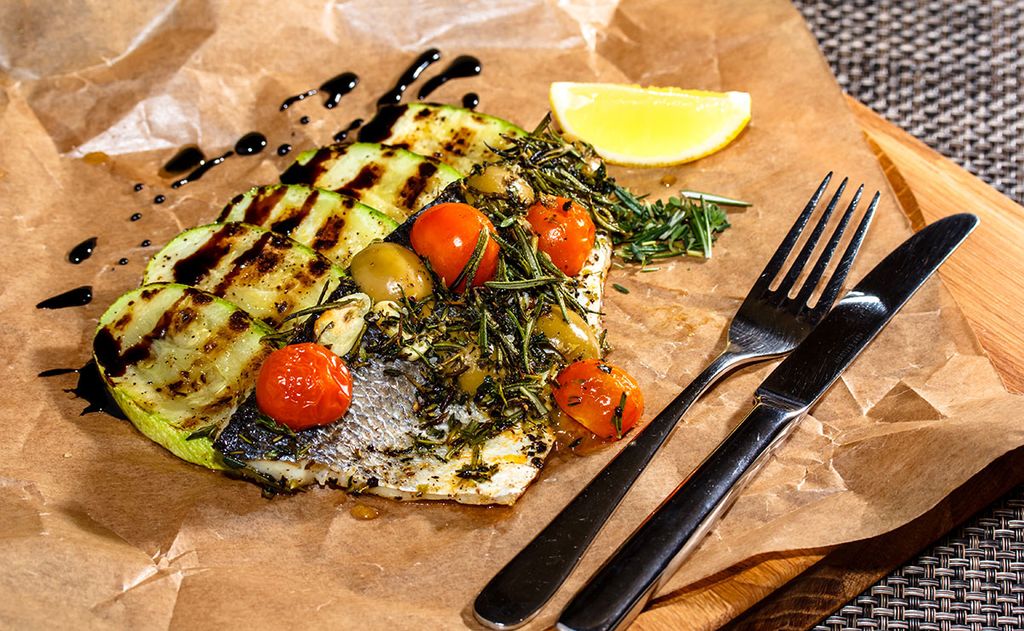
(372, 450)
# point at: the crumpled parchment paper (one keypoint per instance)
(101, 528)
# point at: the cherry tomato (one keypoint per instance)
(304, 385)
(565, 231)
(446, 235)
(604, 399)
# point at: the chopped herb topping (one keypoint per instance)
(487, 334)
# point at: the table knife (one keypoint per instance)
(619, 590)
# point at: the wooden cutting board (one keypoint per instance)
(986, 276)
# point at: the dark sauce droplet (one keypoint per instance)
(139, 187)
(292, 100)
(122, 261)
(188, 157)
(90, 388)
(394, 95)
(76, 297)
(201, 170)
(343, 134)
(82, 251)
(461, 67)
(470, 100)
(159, 199)
(284, 150)
(338, 87)
(250, 144)
(135, 217)
(304, 120)
(145, 243)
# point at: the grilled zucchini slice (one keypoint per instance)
(454, 135)
(178, 361)
(394, 181)
(337, 226)
(267, 274)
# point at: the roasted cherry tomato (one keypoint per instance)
(304, 385)
(565, 232)
(446, 235)
(604, 399)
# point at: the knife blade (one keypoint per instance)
(619, 590)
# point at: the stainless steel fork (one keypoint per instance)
(768, 324)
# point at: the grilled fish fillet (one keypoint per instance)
(373, 448)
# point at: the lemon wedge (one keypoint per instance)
(635, 126)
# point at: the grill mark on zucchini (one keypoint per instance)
(260, 207)
(414, 186)
(367, 177)
(264, 258)
(309, 172)
(193, 268)
(329, 233)
(287, 225)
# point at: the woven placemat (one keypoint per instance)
(970, 581)
(951, 74)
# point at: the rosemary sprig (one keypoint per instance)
(680, 226)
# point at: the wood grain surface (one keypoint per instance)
(986, 277)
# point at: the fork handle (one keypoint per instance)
(614, 596)
(531, 578)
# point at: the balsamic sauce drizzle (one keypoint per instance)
(77, 297)
(292, 100)
(187, 158)
(304, 120)
(138, 187)
(470, 100)
(159, 199)
(82, 251)
(337, 87)
(135, 217)
(251, 144)
(201, 170)
(90, 388)
(343, 134)
(284, 149)
(394, 95)
(461, 67)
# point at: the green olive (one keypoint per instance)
(387, 271)
(497, 179)
(574, 338)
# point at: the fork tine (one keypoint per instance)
(830, 248)
(805, 253)
(775, 263)
(835, 283)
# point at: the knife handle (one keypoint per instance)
(531, 578)
(619, 590)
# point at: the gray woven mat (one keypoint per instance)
(970, 581)
(952, 74)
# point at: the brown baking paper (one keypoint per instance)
(102, 528)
